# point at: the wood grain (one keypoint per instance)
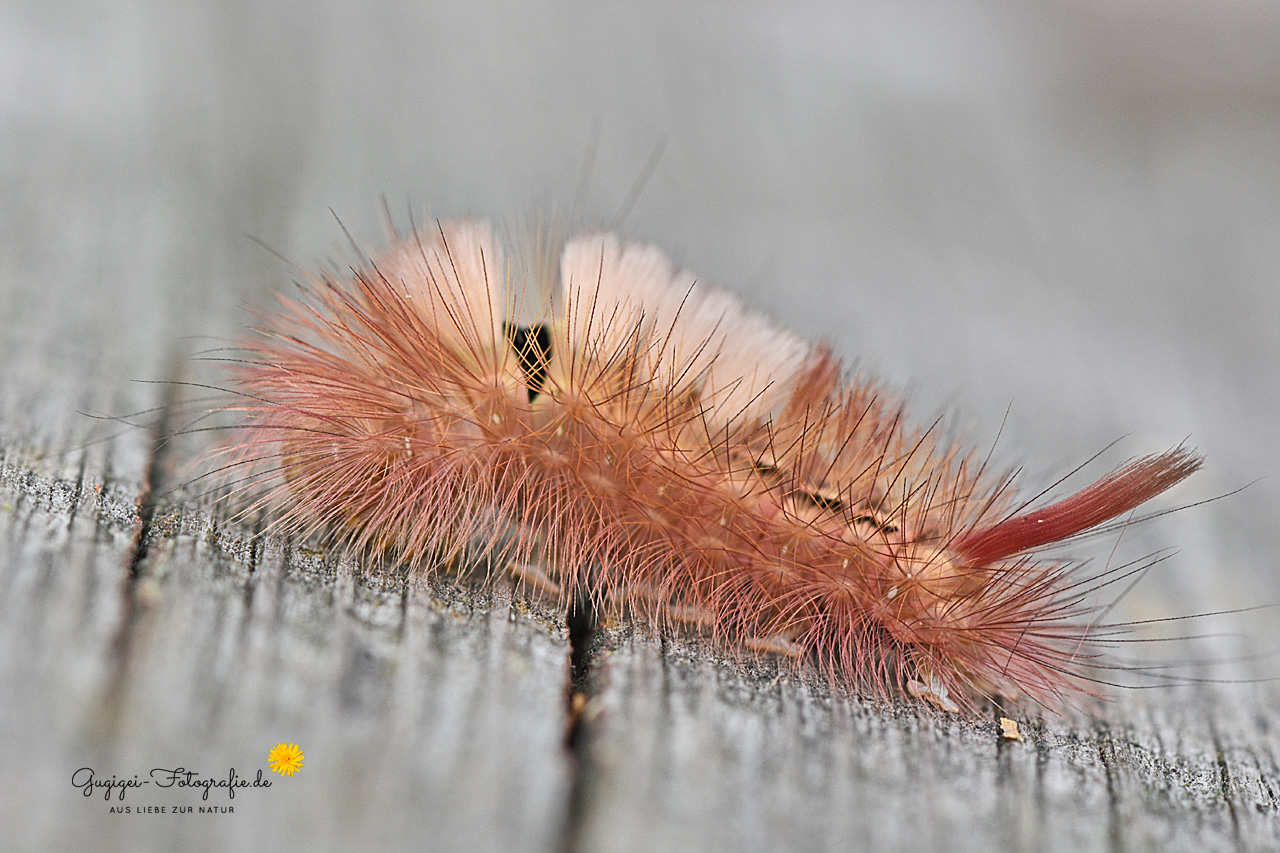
(1072, 208)
(428, 712)
(434, 714)
(740, 757)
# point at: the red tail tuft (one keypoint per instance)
(1118, 492)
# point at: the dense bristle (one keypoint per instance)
(694, 335)
(1119, 492)
(660, 447)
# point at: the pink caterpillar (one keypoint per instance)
(661, 448)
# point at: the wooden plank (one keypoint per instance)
(1090, 231)
(433, 711)
(426, 711)
(689, 750)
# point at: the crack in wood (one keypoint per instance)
(1115, 825)
(583, 625)
(1224, 781)
(122, 643)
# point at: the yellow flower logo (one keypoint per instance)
(285, 758)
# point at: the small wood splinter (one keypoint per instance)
(1009, 729)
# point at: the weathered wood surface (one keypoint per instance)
(425, 713)
(1093, 231)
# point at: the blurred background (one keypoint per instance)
(1066, 211)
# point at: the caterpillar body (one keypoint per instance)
(659, 447)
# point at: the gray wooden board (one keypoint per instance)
(1074, 209)
(740, 757)
(434, 717)
(430, 715)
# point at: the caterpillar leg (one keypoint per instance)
(642, 599)
(776, 644)
(934, 693)
(534, 577)
(692, 616)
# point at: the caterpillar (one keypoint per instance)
(650, 443)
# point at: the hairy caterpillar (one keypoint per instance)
(658, 446)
